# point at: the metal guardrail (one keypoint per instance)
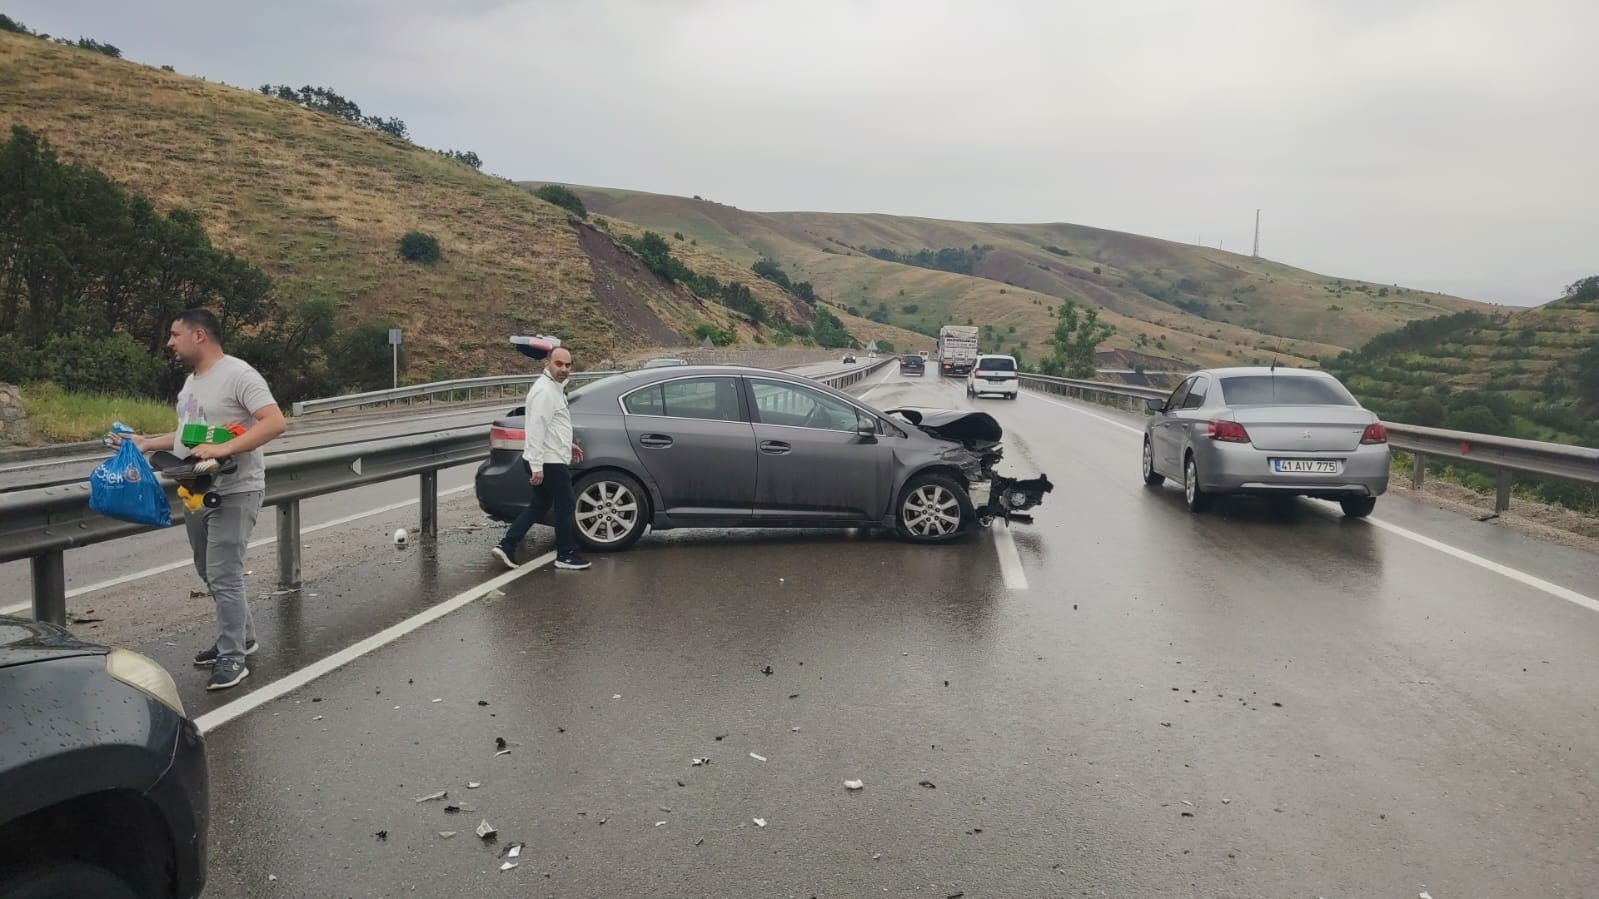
(41, 524)
(1508, 456)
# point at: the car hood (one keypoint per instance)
(956, 425)
(23, 641)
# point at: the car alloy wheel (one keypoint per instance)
(932, 509)
(610, 511)
(1150, 477)
(1198, 499)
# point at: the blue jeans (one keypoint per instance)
(555, 495)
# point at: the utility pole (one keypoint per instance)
(1256, 254)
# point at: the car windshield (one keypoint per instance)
(1283, 390)
(996, 364)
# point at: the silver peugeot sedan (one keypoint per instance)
(730, 446)
(1269, 431)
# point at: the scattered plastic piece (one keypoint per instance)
(876, 856)
(514, 850)
(382, 835)
(767, 671)
(272, 878)
(758, 758)
(1187, 803)
(509, 865)
(854, 785)
(1226, 802)
(502, 752)
(432, 796)
(472, 785)
(482, 702)
(659, 823)
(486, 830)
(759, 822)
(456, 807)
(928, 784)
(316, 718)
(699, 762)
(446, 834)
(616, 696)
(401, 537)
(499, 742)
(440, 699)
(1425, 895)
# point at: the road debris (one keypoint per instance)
(433, 796)
(499, 742)
(698, 762)
(659, 823)
(616, 696)
(482, 702)
(759, 822)
(513, 850)
(486, 830)
(316, 718)
(758, 758)
(767, 671)
(472, 784)
(85, 618)
(446, 834)
(502, 752)
(854, 785)
(440, 699)
(457, 807)
(382, 835)
(509, 866)
(928, 784)
(1425, 895)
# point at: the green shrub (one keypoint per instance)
(419, 246)
(564, 198)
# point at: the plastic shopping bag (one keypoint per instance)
(125, 486)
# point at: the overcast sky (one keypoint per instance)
(1446, 144)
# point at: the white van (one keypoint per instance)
(993, 375)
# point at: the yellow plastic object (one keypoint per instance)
(191, 501)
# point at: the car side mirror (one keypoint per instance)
(866, 429)
(1156, 405)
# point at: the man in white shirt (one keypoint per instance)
(547, 450)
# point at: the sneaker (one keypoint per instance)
(506, 556)
(571, 562)
(207, 658)
(227, 673)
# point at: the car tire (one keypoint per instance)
(1358, 506)
(922, 513)
(65, 880)
(1151, 477)
(612, 511)
(1198, 500)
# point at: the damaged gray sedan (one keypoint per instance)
(730, 447)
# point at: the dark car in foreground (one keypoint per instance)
(912, 364)
(722, 447)
(103, 779)
(1271, 431)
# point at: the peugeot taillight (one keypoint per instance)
(506, 438)
(1375, 433)
(1226, 431)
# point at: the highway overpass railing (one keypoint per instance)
(41, 524)
(1507, 456)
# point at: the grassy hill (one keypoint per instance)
(319, 204)
(1195, 305)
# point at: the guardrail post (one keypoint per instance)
(1418, 470)
(289, 546)
(50, 588)
(1502, 497)
(430, 504)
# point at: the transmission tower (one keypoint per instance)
(1256, 254)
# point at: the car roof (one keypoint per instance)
(1281, 370)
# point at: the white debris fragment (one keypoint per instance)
(446, 834)
(502, 752)
(659, 823)
(401, 537)
(854, 785)
(272, 878)
(432, 796)
(316, 718)
(616, 696)
(1425, 895)
(440, 699)
(1226, 802)
(496, 594)
(509, 865)
(472, 785)
(793, 730)
(514, 851)
(698, 762)
(486, 830)
(759, 822)
(758, 758)
(1189, 804)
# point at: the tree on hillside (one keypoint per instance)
(463, 156)
(828, 331)
(566, 199)
(772, 271)
(1076, 340)
(1585, 290)
(420, 246)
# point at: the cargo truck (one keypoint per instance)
(957, 350)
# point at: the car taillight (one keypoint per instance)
(1375, 433)
(506, 438)
(1226, 432)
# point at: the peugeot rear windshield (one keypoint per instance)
(1283, 390)
(996, 364)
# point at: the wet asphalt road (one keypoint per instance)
(1249, 703)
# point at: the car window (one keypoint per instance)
(1284, 390)
(777, 403)
(1196, 393)
(1175, 401)
(997, 364)
(715, 399)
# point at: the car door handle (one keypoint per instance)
(655, 441)
(774, 447)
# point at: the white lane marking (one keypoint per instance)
(879, 383)
(1010, 561)
(174, 566)
(1081, 411)
(283, 686)
(1514, 574)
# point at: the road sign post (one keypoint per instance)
(394, 346)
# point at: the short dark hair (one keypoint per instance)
(202, 319)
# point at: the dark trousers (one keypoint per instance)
(555, 495)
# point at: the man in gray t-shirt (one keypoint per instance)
(222, 390)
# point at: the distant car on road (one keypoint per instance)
(725, 446)
(1280, 432)
(912, 365)
(993, 375)
(103, 780)
(849, 359)
(665, 363)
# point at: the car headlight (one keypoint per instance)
(144, 675)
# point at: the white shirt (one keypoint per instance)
(547, 424)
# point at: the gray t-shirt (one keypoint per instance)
(230, 392)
